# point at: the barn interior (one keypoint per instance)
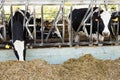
(51, 26)
(54, 27)
(58, 57)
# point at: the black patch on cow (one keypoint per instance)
(78, 15)
(114, 28)
(18, 31)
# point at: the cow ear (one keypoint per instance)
(115, 19)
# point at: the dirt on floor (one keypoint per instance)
(83, 68)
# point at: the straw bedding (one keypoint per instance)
(83, 68)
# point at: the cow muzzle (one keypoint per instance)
(106, 34)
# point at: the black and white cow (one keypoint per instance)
(45, 29)
(17, 33)
(100, 18)
(114, 25)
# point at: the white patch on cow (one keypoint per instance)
(19, 47)
(106, 18)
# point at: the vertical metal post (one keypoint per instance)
(4, 28)
(11, 9)
(91, 40)
(42, 21)
(25, 25)
(106, 4)
(98, 41)
(63, 21)
(70, 27)
(118, 26)
(34, 22)
(26, 10)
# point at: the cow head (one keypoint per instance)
(101, 21)
(18, 36)
(103, 17)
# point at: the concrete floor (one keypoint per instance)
(59, 55)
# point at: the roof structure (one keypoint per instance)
(9, 2)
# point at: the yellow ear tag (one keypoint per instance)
(116, 19)
(7, 46)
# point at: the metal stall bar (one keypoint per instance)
(26, 23)
(70, 26)
(2, 3)
(118, 26)
(42, 26)
(55, 24)
(86, 17)
(98, 42)
(63, 24)
(2, 25)
(11, 17)
(106, 4)
(34, 23)
(91, 24)
(3, 22)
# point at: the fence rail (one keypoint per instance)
(60, 25)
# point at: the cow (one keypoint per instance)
(100, 18)
(17, 33)
(114, 25)
(45, 29)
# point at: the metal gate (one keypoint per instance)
(60, 25)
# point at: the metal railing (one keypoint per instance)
(65, 33)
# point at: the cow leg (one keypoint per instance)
(19, 47)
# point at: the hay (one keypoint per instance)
(83, 68)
